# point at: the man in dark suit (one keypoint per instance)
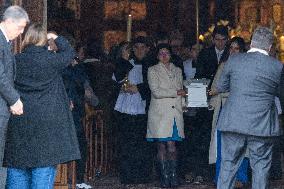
(206, 67)
(175, 41)
(209, 58)
(13, 24)
(249, 120)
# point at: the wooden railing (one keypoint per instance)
(100, 152)
(66, 176)
(100, 155)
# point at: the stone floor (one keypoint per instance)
(112, 182)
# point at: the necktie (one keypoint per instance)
(219, 54)
(10, 45)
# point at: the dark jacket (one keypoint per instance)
(44, 135)
(8, 95)
(75, 78)
(178, 62)
(281, 93)
(207, 63)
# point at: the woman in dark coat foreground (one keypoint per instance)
(44, 135)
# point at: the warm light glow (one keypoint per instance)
(281, 43)
(201, 37)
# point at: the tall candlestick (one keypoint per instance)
(129, 26)
(197, 21)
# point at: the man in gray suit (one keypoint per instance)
(13, 24)
(249, 120)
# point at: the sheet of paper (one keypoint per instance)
(197, 95)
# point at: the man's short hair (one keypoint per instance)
(176, 35)
(15, 13)
(262, 38)
(141, 39)
(162, 36)
(222, 30)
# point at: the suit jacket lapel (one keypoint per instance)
(5, 43)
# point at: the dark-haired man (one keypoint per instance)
(209, 58)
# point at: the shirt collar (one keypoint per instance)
(218, 51)
(4, 32)
(258, 50)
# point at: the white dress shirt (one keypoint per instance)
(219, 54)
(189, 71)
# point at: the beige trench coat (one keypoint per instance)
(165, 105)
(216, 102)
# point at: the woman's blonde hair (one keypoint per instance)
(35, 35)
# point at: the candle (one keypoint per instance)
(281, 43)
(129, 26)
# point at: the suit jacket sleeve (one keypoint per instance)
(200, 72)
(156, 89)
(7, 90)
(181, 81)
(207, 64)
(177, 61)
(281, 89)
(64, 55)
(223, 84)
(143, 88)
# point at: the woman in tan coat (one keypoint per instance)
(165, 116)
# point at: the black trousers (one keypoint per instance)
(185, 148)
(198, 138)
(80, 163)
(134, 152)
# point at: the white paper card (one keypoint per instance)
(197, 95)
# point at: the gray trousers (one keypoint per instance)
(233, 150)
(3, 130)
